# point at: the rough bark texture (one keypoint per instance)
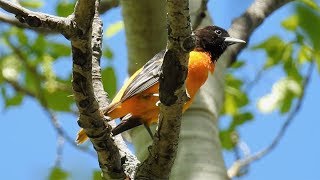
(88, 91)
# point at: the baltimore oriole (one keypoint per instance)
(136, 102)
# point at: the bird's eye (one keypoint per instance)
(218, 32)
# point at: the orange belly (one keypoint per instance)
(142, 105)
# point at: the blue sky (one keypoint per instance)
(29, 141)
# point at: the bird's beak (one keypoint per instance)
(231, 40)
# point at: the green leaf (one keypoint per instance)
(232, 81)
(310, 23)
(14, 100)
(64, 9)
(22, 37)
(58, 100)
(58, 50)
(230, 106)
(31, 82)
(238, 64)
(114, 28)
(310, 3)
(291, 23)
(107, 53)
(227, 139)
(304, 54)
(292, 70)
(97, 175)
(10, 68)
(274, 47)
(31, 3)
(39, 45)
(240, 119)
(109, 81)
(286, 103)
(58, 174)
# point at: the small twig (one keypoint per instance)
(61, 132)
(40, 20)
(60, 144)
(236, 167)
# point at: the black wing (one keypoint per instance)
(148, 77)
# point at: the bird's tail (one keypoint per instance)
(81, 137)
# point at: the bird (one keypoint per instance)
(137, 101)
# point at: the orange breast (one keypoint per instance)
(144, 106)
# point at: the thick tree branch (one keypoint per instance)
(90, 96)
(239, 164)
(243, 26)
(173, 95)
(39, 20)
(128, 159)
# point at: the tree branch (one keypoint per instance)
(173, 95)
(243, 26)
(37, 20)
(14, 22)
(129, 161)
(239, 164)
(87, 88)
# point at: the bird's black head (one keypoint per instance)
(215, 40)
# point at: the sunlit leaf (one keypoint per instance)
(31, 3)
(281, 90)
(64, 9)
(10, 68)
(311, 3)
(114, 29)
(304, 54)
(96, 175)
(58, 174)
(291, 23)
(109, 81)
(230, 105)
